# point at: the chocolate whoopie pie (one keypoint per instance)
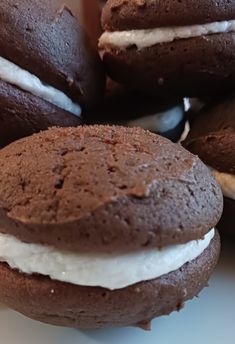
(48, 68)
(122, 106)
(185, 48)
(104, 226)
(212, 137)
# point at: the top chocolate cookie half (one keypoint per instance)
(102, 188)
(45, 39)
(146, 14)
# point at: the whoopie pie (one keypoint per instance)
(104, 226)
(49, 69)
(170, 47)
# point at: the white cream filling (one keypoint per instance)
(109, 271)
(147, 38)
(13, 74)
(226, 182)
(162, 121)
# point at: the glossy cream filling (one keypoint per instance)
(162, 121)
(14, 75)
(147, 38)
(111, 271)
(226, 182)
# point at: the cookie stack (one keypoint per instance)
(104, 223)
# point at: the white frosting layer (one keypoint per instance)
(226, 182)
(163, 121)
(147, 38)
(103, 270)
(13, 74)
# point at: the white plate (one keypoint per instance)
(209, 319)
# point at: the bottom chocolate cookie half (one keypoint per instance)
(187, 67)
(23, 114)
(226, 225)
(74, 306)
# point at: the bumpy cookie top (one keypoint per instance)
(145, 14)
(102, 188)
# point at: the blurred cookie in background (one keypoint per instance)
(212, 137)
(170, 47)
(122, 106)
(49, 68)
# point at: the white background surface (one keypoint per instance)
(209, 319)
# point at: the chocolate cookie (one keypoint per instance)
(212, 137)
(88, 13)
(170, 47)
(104, 226)
(122, 106)
(49, 69)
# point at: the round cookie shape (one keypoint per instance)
(170, 47)
(147, 14)
(122, 106)
(105, 189)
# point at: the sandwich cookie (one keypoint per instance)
(212, 137)
(104, 226)
(48, 68)
(122, 106)
(170, 47)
